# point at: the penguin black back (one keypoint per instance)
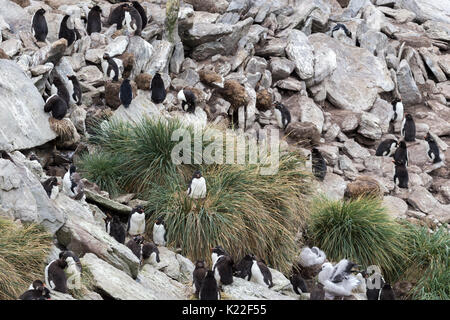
(38, 292)
(65, 32)
(386, 147)
(319, 166)
(117, 230)
(56, 277)
(409, 128)
(112, 67)
(224, 266)
(147, 249)
(209, 289)
(77, 93)
(158, 89)
(117, 16)
(433, 149)
(39, 25)
(57, 106)
(94, 22)
(298, 283)
(62, 90)
(387, 293)
(136, 20)
(401, 178)
(49, 184)
(401, 154)
(142, 13)
(126, 93)
(283, 116)
(135, 245)
(243, 268)
(198, 275)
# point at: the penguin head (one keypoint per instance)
(97, 8)
(106, 56)
(116, 219)
(61, 263)
(68, 21)
(429, 138)
(37, 284)
(209, 274)
(218, 250)
(197, 174)
(395, 101)
(157, 76)
(181, 96)
(159, 221)
(402, 144)
(138, 239)
(249, 257)
(315, 151)
(126, 80)
(139, 209)
(199, 264)
(72, 168)
(40, 12)
(408, 116)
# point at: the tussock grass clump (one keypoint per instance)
(244, 211)
(429, 263)
(23, 250)
(359, 230)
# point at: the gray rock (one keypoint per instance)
(400, 15)
(117, 46)
(359, 77)
(324, 63)
(406, 85)
(50, 53)
(273, 48)
(281, 68)
(310, 112)
(23, 197)
(396, 207)
(90, 74)
(369, 126)
(437, 30)
(374, 41)
(113, 282)
(422, 200)
(435, 10)
(431, 61)
(107, 203)
(383, 110)
(142, 51)
(15, 16)
(141, 107)
(206, 50)
(177, 58)
(333, 186)
(22, 109)
(256, 64)
(242, 289)
(291, 84)
(300, 51)
(11, 47)
(354, 150)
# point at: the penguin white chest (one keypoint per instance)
(279, 118)
(137, 224)
(198, 188)
(257, 275)
(67, 185)
(158, 234)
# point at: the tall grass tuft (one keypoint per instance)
(359, 230)
(244, 211)
(429, 263)
(23, 250)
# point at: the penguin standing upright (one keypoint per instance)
(159, 232)
(76, 89)
(94, 22)
(55, 277)
(37, 291)
(136, 221)
(126, 93)
(73, 186)
(66, 32)
(198, 275)
(342, 27)
(282, 115)
(319, 165)
(433, 149)
(401, 154)
(260, 273)
(188, 100)
(409, 128)
(243, 268)
(116, 230)
(158, 89)
(401, 178)
(60, 89)
(209, 289)
(110, 68)
(397, 106)
(387, 148)
(222, 265)
(133, 20)
(150, 254)
(298, 283)
(57, 106)
(197, 186)
(142, 13)
(70, 254)
(39, 27)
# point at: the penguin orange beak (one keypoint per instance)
(393, 161)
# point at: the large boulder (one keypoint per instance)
(82, 233)
(242, 289)
(25, 124)
(23, 197)
(437, 10)
(359, 77)
(300, 51)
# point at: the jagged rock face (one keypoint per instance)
(22, 109)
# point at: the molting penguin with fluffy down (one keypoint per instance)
(311, 257)
(338, 281)
(197, 186)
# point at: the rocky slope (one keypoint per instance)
(238, 54)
